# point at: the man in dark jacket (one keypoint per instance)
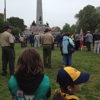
(96, 41)
(32, 40)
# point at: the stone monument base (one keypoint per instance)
(40, 29)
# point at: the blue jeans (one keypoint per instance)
(67, 59)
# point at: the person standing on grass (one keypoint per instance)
(96, 42)
(29, 81)
(32, 39)
(21, 39)
(37, 40)
(88, 40)
(47, 40)
(70, 81)
(77, 41)
(8, 52)
(67, 57)
(58, 38)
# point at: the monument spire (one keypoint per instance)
(39, 17)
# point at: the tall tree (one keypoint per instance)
(88, 18)
(17, 22)
(57, 27)
(2, 23)
(16, 31)
(98, 10)
(72, 29)
(98, 27)
(66, 28)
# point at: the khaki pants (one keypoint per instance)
(97, 46)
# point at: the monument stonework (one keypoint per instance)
(39, 16)
(39, 26)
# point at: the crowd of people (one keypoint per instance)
(89, 40)
(33, 39)
(28, 80)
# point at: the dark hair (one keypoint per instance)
(29, 62)
(66, 34)
(64, 88)
(47, 30)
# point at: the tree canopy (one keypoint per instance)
(72, 29)
(16, 22)
(16, 31)
(88, 18)
(2, 23)
(65, 28)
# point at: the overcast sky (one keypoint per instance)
(55, 12)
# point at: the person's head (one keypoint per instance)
(47, 30)
(8, 28)
(88, 31)
(70, 79)
(29, 62)
(96, 31)
(67, 34)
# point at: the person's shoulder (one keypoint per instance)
(91, 34)
(43, 35)
(12, 78)
(46, 77)
(96, 34)
(65, 96)
(5, 32)
(57, 97)
(46, 80)
(72, 97)
(9, 34)
(12, 81)
(70, 39)
(45, 83)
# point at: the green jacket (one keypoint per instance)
(39, 94)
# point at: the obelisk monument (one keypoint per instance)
(39, 15)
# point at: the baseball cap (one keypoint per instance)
(69, 75)
(8, 27)
(88, 31)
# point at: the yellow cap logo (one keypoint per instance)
(73, 73)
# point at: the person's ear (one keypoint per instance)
(69, 88)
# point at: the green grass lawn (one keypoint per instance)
(82, 60)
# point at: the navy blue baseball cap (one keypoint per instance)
(8, 27)
(69, 75)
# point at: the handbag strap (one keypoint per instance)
(68, 40)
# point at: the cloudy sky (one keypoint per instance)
(55, 12)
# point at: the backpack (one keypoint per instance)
(70, 47)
